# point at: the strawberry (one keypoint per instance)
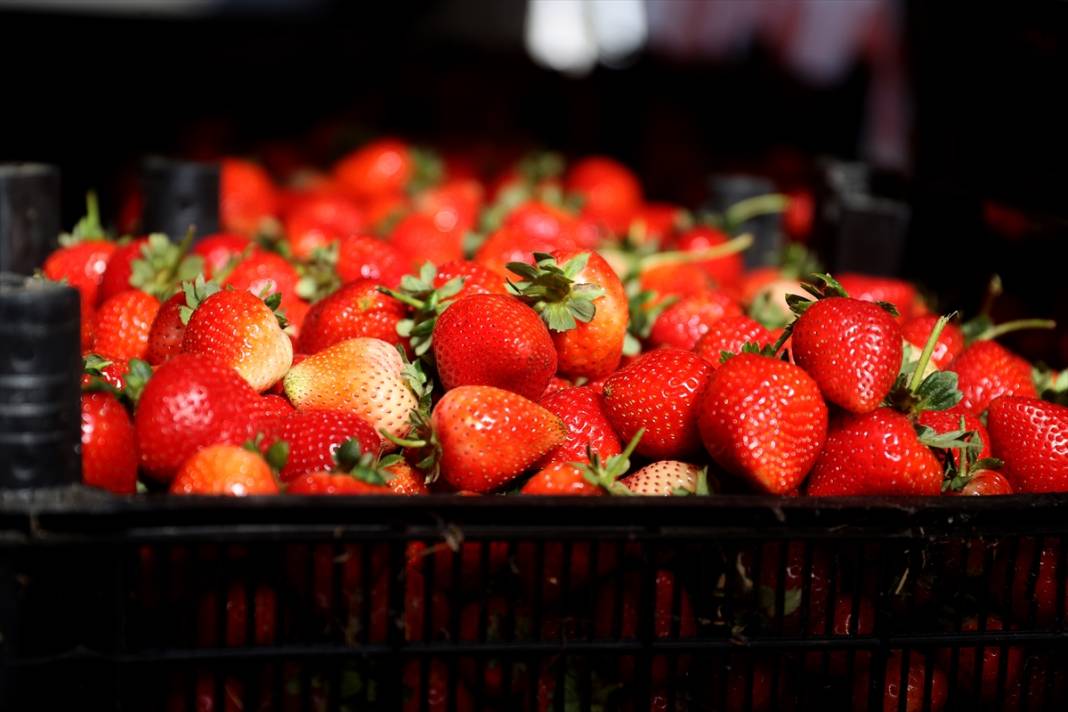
(225, 470)
(851, 348)
(419, 238)
(1032, 597)
(384, 168)
(356, 309)
(657, 223)
(659, 391)
(920, 693)
(988, 668)
(123, 324)
(664, 478)
(314, 437)
(558, 384)
(584, 414)
(611, 194)
(328, 483)
(159, 266)
(799, 215)
(511, 244)
(109, 444)
(986, 370)
(763, 419)
(589, 475)
(221, 251)
(363, 257)
(319, 219)
(263, 273)
(946, 421)
(583, 303)
(476, 278)
(728, 335)
(868, 288)
(83, 256)
(364, 376)
(684, 323)
(493, 340)
(917, 330)
(363, 471)
(120, 269)
(246, 196)
(541, 220)
(484, 437)
(1031, 437)
(165, 336)
(682, 279)
(985, 483)
(185, 405)
(875, 453)
(560, 478)
(453, 205)
(725, 271)
(109, 372)
(239, 329)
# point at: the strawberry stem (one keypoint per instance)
(928, 351)
(745, 210)
(659, 259)
(1018, 325)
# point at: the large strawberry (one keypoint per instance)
(384, 168)
(239, 329)
(185, 405)
(364, 376)
(917, 330)
(364, 257)
(583, 412)
(851, 348)
(763, 419)
(165, 336)
(123, 324)
(659, 392)
(611, 193)
(729, 335)
(320, 218)
(314, 437)
(869, 288)
(583, 303)
(1031, 437)
(482, 437)
(987, 370)
(356, 309)
(225, 470)
(109, 444)
(493, 340)
(683, 323)
(246, 196)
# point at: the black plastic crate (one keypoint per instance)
(454, 603)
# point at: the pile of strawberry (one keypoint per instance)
(391, 326)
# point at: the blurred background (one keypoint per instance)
(957, 114)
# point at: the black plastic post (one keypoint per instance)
(40, 384)
(730, 189)
(29, 215)
(180, 194)
(870, 235)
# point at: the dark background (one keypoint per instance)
(94, 93)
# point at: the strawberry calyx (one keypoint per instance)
(551, 290)
(88, 228)
(164, 265)
(276, 456)
(318, 276)
(1051, 386)
(274, 303)
(421, 438)
(426, 301)
(427, 170)
(960, 470)
(912, 392)
(607, 473)
(196, 291)
(751, 347)
(368, 467)
(645, 307)
(134, 380)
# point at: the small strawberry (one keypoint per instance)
(610, 192)
(725, 271)
(357, 309)
(263, 273)
(363, 257)
(364, 376)
(590, 475)
(665, 478)
(225, 470)
(384, 168)
(493, 340)
(657, 223)
(220, 252)
(987, 370)
(360, 472)
(763, 419)
(684, 323)
(851, 348)
(238, 328)
(985, 483)
(729, 335)
(1031, 437)
(476, 278)
(120, 269)
(165, 336)
(453, 206)
(109, 444)
(584, 414)
(920, 693)
(659, 391)
(512, 244)
(83, 256)
(901, 294)
(319, 219)
(560, 479)
(186, 403)
(917, 330)
(970, 470)
(482, 437)
(419, 238)
(246, 196)
(582, 301)
(682, 279)
(314, 437)
(123, 324)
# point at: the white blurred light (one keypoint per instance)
(619, 27)
(570, 36)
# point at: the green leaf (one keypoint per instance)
(94, 363)
(631, 345)
(137, 374)
(558, 317)
(938, 391)
(277, 455)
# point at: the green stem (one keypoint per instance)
(401, 297)
(928, 350)
(993, 291)
(738, 244)
(756, 206)
(403, 442)
(1018, 325)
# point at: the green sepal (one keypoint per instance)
(87, 228)
(428, 170)
(274, 303)
(318, 276)
(277, 455)
(749, 347)
(196, 291)
(137, 374)
(164, 265)
(645, 307)
(93, 364)
(938, 391)
(369, 467)
(959, 471)
(426, 302)
(607, 473)
(550, 289)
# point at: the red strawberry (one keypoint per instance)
(985, 483)
(120, 269)
(584, 305)
(165, 336)
(945, 421)
(729, 335)
(381, 168)
(82, 266)
(986, 370)
(989, 667)
(724, 271)
(660, 391)
(363, 471)
(264, 273)
(918, 329)
(540, 220)
(663, 478)
(246, 196)
(240, 330)
(611, 193)
(476, 278)
(682, 279)
(1031, 601)
(364, 376)
(875, 453)
(563, 479)
(511, 244)
(419, 238)
(453, 206)
(314, 437)
(493, 340)
(920, 693)
(329, 483)
(356, 309)
(186, 403)
(111, 372)
(684, 323)
(1031, 437)
(797, 219)
(851, 348)
(583, 413)
(123, 324)
(109, 444)
(487, 437)
(763, 419)
(319, 219)
(558, 384)
(219, 250)
(363, 257)
(882, 289)
(225, 470)
(656, 223)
